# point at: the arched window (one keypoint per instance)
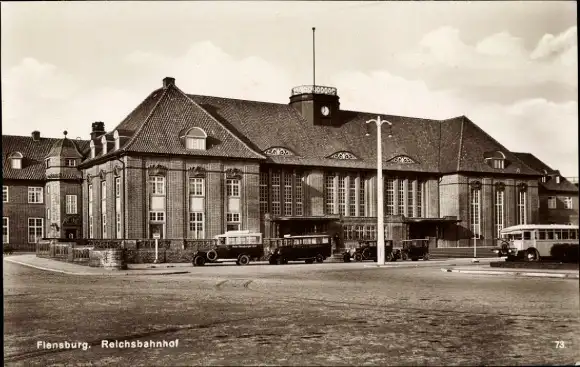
(16, 160)
(343, 155)
(195, 139)
(117, 140)
(104, 144)
(278, 151)
(495, 159)
(92, 145)
(402, 159)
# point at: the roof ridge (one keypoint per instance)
(501, 145)
(140, 129)
(460, 144)
(216, 120)
(234, 99)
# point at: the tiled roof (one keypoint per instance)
(473, 146)
(551, 184)
(65, 147)
(245, 129)
(34, 153)
(267, 125)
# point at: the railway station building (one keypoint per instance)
(192, 166)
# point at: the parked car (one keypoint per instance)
(309, 248)
(416, 249)
(367, 250)
(240, 247)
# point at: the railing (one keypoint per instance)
(314, 89)
(81, 254)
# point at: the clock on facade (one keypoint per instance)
(325, 111)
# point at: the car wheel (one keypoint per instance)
(319, 258)
(199, 261)
(358, 257)
(426, 257)
(244, 260)
(532, 255)
(404, 256)
(212, 255)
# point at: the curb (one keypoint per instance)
(111, 273)
(513, 273)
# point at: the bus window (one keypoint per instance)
(515, 236)
(565, 234)
(527, 235)
(550, 234)
(573, 234)
(541, 234)
(557, 234)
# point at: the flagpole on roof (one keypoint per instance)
(313, 59)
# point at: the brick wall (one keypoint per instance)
(558, 215)
(18, 210)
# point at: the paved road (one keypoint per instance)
(320, 314)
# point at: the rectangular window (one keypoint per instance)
(104, 224)
(522, 215)
(475, 213)
(5, 230)
(568, 203)
(329, 194)
(4, 194)
(196, 186)
(341, 195)
(117, 187)
(156, 216)
(420, 191)
(389, 196)
(499, 211)
(71, 204)
(233, 188)
(498, 163)
(276, 206)
(196, 225)
(157, 185)
(35, 229)
(103, 197)
(35, 195)
(17, 163)
(195, 143)
(90, 201)
(70, 162)
(233, 222)
(552, 202)
(361, 196)
(264, 192)
(47, 213)
(401, 194)
(298, 193)
(410, 198)
(359, 232)
(118, 225)
(91, 230)
(352, 196)
(288, 193)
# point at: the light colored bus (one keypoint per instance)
(534, 241)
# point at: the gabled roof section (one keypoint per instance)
(551, 184)
(33, 152)
(464, 147)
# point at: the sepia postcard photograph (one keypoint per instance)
(290, 183)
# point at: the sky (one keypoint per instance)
(511, 67)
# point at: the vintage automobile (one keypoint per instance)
(307, 248)
(416, 249)
(240, 247)
(367, 250)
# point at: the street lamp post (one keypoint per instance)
(380, 214)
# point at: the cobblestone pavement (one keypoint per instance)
(293, 315)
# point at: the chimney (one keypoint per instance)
(36, 135)
(167, 81)
(98, 129)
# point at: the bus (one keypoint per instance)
(535, 241)
(307, 248)
(236, 246)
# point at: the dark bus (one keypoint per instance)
(308, 248)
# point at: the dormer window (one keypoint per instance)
(47, 163)
(92, 149)
(195, 139)
(342, 155)
(16, 160)
(495, 159)
(104, 144)
(544, 179)
(70, 162)
(557, 179)
(497, 163)
(278, 151)
(117, 138)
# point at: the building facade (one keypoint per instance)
(191, 166)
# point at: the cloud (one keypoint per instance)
(500, 60)
(547, 129)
